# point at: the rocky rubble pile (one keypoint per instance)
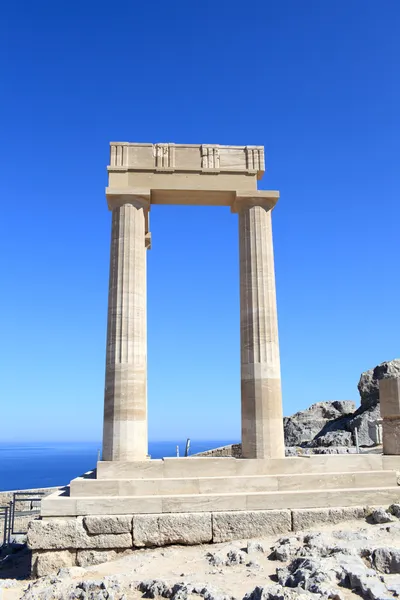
(335, 564)
(61, 588)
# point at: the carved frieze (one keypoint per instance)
(209, 157)
(164, 156)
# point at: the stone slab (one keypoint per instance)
(108, 524)
(57, 534)
(165, 529)
(89, 558)
(204, 503)
(303, 519)
(391, 436)
(122, 470)
(227, 526)
(48, 562)
(82, 487)
(323, 498)
(391, 463)
(225, 502)
(228, 466)
(389, 396)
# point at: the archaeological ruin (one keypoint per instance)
(131, 500)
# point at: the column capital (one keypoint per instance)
(265, 198)
(138, 198)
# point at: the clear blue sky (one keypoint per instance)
(315, 81)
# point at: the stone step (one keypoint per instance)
(82, 487)
(217, 467)
(59, 505)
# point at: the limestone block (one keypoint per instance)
(106, 524)
(308, 518)
(49, 562)
(146, 531)
(88, 558)
(391, 436)
(164, 529)
(58, 534)
(389, 393)
(229, 526)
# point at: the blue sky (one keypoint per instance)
(314, 81)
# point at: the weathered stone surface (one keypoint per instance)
(277, 592)
(88, 558)
(386, 560)
(305, 425)
(62, 588)
(309, 574)
(169, 528)
(380, 515)
(333, 438)
(307, 518)
(108, 524)
(365, 420)
(287, 548)
(255, 547)
(368, 386)
(311, 450)
(394, 509)
(391, 436)
(233, 525)
(60, 534)
(357, 576)
(155, 588)
(235, 557)
(49, 562)
(234, 450)
(152, 588)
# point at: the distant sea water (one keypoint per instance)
(34, 465)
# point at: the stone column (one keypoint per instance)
(389, 397)
(125, 399)
(262, 418)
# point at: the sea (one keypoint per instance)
(35, 465)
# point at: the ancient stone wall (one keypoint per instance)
(91, 540)
(234, 450)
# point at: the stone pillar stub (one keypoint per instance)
(125, 399)
(261, 397)
(389, 396)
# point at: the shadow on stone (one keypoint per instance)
(15, 562)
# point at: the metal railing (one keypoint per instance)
(5, 516)
(9, 512)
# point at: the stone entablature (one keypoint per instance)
(187, 158)
(191, 174)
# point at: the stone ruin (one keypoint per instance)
(130, 501)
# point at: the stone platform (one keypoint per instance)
(126, 505)
(188, 485)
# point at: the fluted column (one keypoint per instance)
(262, 418)
(125, 398)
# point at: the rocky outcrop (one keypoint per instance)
(368, 386)
(317, 421)
(332, 424)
